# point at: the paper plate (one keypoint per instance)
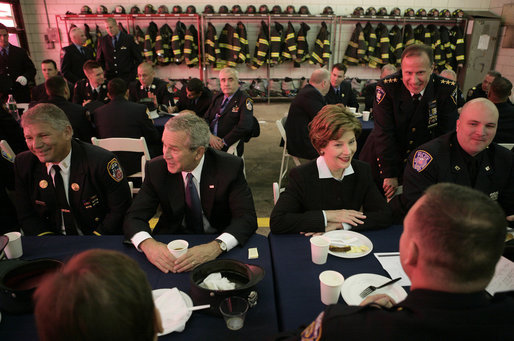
(158, 292)
(354, 285)
(356, 239)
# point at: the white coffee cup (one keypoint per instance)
(365, 115)
(178, 247)
(319, 249)
(353, 110)
(330, 283)
(13, 248)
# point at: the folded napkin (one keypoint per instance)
(216, 282)
(173, 309)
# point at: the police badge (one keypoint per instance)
(421, 160)
(380, 94)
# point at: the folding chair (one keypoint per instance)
(7, 152)
(284, 166)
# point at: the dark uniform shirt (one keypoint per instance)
(16, 63)
(84, 92)
(344, 95)
(505, 130)
(476, 92)
(443, 160)
(401, 125)
(198, 105)
(72, 61)
(98, 192)
(139, 93)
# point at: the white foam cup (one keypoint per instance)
(178, 247)
(319, 249)
(330, 286)
(14, 248)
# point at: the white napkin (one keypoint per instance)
(216, 282)
(173, 309)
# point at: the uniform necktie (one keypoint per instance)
(82, 50)
(62, 203)
(214, 123)
(194, 217)
(114, 41)
(337, 92)
(415, 100)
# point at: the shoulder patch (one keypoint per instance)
(421, 160)
(380, 94)
(313, 331)
(114, 170)
(249, 104)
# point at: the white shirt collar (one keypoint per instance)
(65, 164)
(324, 171)
(422, 92)
(197, 172)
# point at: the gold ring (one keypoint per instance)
(193, 262)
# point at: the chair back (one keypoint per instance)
(7, 152)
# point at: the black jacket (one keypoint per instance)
(120, 60)
(72, 61)
(18, 64)
(138, 94)
(505, 130)
(199, 105)
(346, 95)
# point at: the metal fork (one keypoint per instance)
(372, 288)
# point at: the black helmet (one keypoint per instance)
(371, 11)
(149, 9)
(304, 10)
(163, 9)
(434, 12)
(135, 10)
(250, 9)
(191, 9)
(409, 12)
(358, 11)
(263, 9)
(458, 13)
(276, 9)
(236, 9)
(421, 12)
(382, 11)
(176, 9)
(101, 10)
(445, 13)
(290, 10)
(208, 9)
(119, 10)
(396, 12)
(328, 10)
(85, 10)
(223, 9)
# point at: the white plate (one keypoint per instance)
(347, 235)
(354, 285)
(158, 292)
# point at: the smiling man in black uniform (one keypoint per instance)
(411, 107)
(340, 90)
(118, 53)
(230, 115)
(63, 185)
(452, 240)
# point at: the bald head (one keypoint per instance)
(320, 79)
(387, 70)
(476, 126)
(145, 73)
(77, 36)
(449, 74)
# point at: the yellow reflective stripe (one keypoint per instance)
(177, 52)
(275, 39)
(292, 48)
(148, 53)
(187, 50)
(261, 53)
(351, 59)
(460, 58)
(352, 44)
(301, 38)
(384, 40)
(315, 56)
(290, 36)
(263, 41)
(158, 38)
(45, 233)
(174, 38)
(96, 233)
(460, 41)
(160, 51)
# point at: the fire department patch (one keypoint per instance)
(249, 104)
(380, 94)
(421, 160)
(114, 170)
(314, 330)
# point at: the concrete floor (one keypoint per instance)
(262, 158)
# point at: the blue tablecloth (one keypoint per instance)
(261, 320)
(296, 277)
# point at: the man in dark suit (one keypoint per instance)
(17, 71)
(481, 89)
(59, 94)
(452, 239)
(75, 55)
(63, 185)
(49, 70)
(91, 92)
(230, 115)
(150, 90)
(122, 118)
(199, 190)
(118, 53)
(304, 107)
(499, 93)
(340, 91)
(411, 107)
(195, 96)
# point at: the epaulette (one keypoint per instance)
(390, 80)
(447, 81)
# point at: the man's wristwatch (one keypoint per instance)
(222, 245)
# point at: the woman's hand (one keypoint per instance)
(351, 217)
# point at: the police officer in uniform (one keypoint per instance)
(92, 91)
(230, 115)
(65, 186)
(481, 89)
(75, 55)
(150, 90)
(118, 53)
(411, 107)
(450, 260)
(340, 90)
(465, 157)
(499, 93)
(17, 71)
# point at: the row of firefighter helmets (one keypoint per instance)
(276, 9)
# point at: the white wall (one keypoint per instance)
(504, 63)
(36, 25)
